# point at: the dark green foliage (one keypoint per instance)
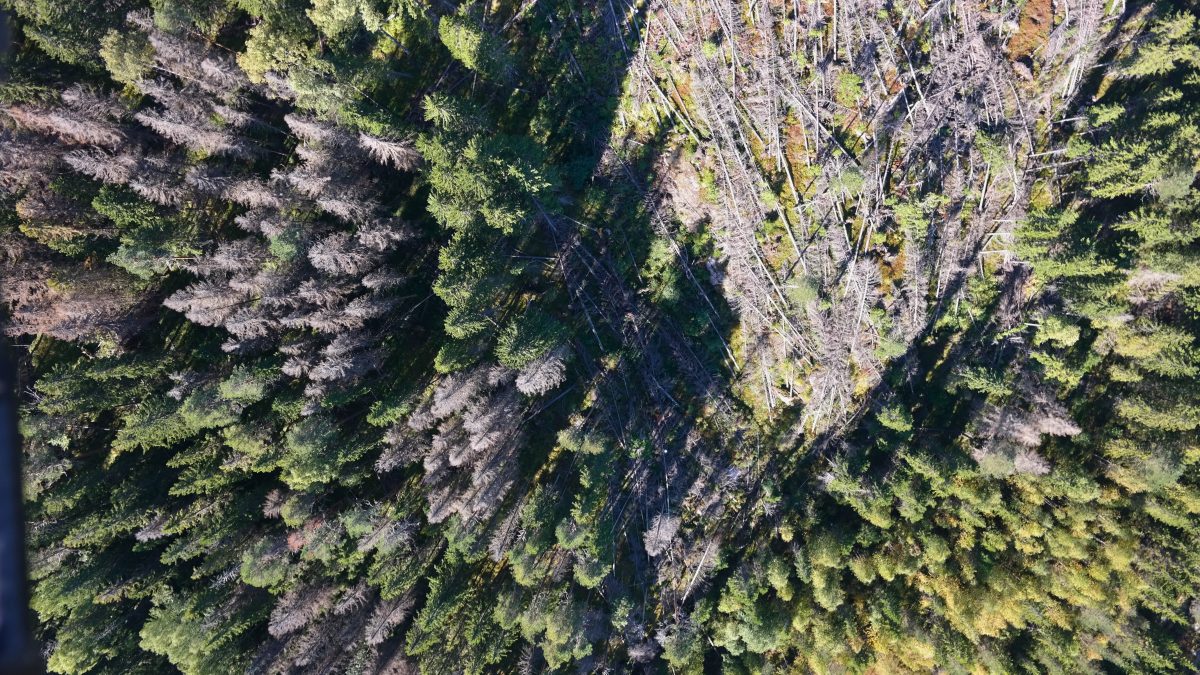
(71, 32)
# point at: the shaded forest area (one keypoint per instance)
(666, 336)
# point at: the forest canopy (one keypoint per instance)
(385, 336)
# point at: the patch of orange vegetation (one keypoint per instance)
(847, 121)
(794, 146)
(891, 271)
(1033, 29)
(681, 91)
(891, 79)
